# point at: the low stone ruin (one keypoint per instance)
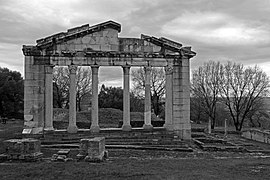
(62, 156)
(27, 149)
(257, 135)
(93, 150)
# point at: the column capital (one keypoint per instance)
(94, 69)
(168, 70)
(147, 68)
(72, 69)
(126, 69)
(49, 69)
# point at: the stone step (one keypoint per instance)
(197, 134)
(122, 141)
(74, 138)
(110, 134)
(137, 147)
(197, 129)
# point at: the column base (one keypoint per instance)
(126, 127)
(184, 134)
(94, 129)
(147, 127)
(168, 127)
(72, 129)
(48, 129)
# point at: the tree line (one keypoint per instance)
(237, 89)
(218, 91)
(11, 94)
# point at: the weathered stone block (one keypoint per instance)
(30, 124)
(115, 47)
(27, 131)
(185, 63)
(21, 146)
(86, 39)
(156, 48)
(28, 75)
(110, 32)
(92, 40)
(114, 41)
(63, 152)
(180, 113)
(181, 107)
(78, 41)
(72, 41)
(98, 34)
(31, 82)
(92, 149)
(182, 101)
(95, 47)
(104, 47)
(148, 48)
(70, 47)
(37, 130)
(78, 47)
(100, 40)
(96, 146)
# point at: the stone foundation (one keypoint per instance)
(22, 149)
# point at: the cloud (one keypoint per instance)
(216, 29)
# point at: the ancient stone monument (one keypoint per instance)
(100, 45)
(92, 149)
(22, 149)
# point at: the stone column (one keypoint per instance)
(169, 99)
(147, 102)
(181, 99)
(126, 100)
(225, 127)
(72, 127)
(34, 93)
(94, 108)
(48, 125)
(209, 125)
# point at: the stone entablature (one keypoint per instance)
(102, 41)
(99, 45)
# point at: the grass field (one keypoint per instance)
(132, 168)
(135, 164)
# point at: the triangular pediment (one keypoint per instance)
(103, 40)
(77, 32)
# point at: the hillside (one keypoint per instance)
(108, 117)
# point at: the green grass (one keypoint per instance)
(132, 168)
(135, 164)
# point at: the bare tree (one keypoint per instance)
(205, 86)
(60, 87)
(84, 84)
(61, 82)
(157, 85)
(241, 88)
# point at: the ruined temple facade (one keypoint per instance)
(100, 45)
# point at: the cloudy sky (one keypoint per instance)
(217, 30)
